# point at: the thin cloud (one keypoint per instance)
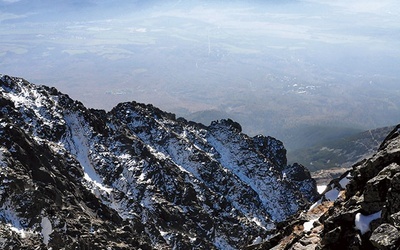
(360, 6)
(10, 1)
(9, 16)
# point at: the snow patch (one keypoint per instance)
(78, 144)
(156, 153)
(142, 177)
(31, 98)
(10, 217)
(321, 188)
(259, 223)
(167, 236)
(47, 229)
(230, 158)
(19, 231)
(362, 222)
(309, 225)
(257, 240)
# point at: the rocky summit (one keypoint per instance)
(360, 210)
(140, 178)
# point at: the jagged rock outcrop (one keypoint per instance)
(359, 210)
(135, 177)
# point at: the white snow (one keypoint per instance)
(321, 188)
(309, 225)
(19, 231)
(142, 177)
(362, 222)
(32, 99)
(259, 222)
(10, 216)
(47, 229)
(261, 185)
(257, 240)
(315, 204)
(77, 142)
(158, 154)
(163, 233)
(167, 236)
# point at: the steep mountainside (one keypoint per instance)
(359, 210)
(135, 177)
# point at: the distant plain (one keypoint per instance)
(303, 71)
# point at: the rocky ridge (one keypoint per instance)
(359, 210)
(135, 177)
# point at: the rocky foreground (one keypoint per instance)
(359, 210)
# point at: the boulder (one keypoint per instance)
(385, 237)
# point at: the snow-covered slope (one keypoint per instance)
(135, 177)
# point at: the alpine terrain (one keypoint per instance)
(359, 210)
(140, 178)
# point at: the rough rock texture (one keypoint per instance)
(135, 177)
(359, 210)
(385, 236)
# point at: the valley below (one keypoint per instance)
(199, 124)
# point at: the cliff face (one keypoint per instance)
(135, 177)
(360, 210)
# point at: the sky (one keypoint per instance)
(275, 66)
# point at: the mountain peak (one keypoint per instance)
(135, 177)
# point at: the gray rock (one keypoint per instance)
(385, 237)
(393, 197)
(375, 194)
(395, 219)
(390, 170)
(299, 246)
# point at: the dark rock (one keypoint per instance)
(356, 243)
(271, 148)
(332, 236)
(235, 126)
(301, 176)
(373, 187)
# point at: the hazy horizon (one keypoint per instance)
(274, 66)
